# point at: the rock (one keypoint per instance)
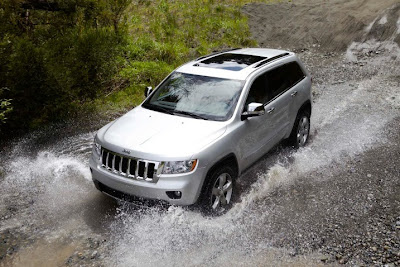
(94, 254)
(369, 175)
(324, 258)
(374, 248)
(80, 255)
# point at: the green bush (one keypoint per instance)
(55, 60)
(63, 56)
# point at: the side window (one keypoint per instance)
(295, 72)
(282, 78)
(277, 81)
(258, 91)
(274, 82)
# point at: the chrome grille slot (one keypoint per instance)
(150, 170)
(117, 162)
(110, 159)
(124, 165)
(142, 167)
(131, 168)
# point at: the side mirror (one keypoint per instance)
(147, 91)
(253, 110)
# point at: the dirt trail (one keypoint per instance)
(327, 25)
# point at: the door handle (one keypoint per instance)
(270, 110)
(293, 94)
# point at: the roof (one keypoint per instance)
(235, 64)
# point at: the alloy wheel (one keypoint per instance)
(303, 131)
(222, 192)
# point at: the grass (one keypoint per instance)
(165, 34)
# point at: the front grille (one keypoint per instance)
(133, 168)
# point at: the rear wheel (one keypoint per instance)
(218, 191)
(301, 130)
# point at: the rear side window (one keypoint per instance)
(294, 72)
(278, 81)
(282, 78)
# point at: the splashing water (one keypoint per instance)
(51, 187)
(346, 121)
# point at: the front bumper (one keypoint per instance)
(188, 184)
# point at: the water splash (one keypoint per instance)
(348, 118)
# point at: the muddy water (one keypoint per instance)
(51, 214)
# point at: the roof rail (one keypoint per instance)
(216, 53)
(265, 61)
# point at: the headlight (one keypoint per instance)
(97, 147)
(173, 167)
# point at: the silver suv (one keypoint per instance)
(205, 123)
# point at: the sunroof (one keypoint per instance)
(230, 61)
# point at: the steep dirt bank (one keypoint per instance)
(326, 25)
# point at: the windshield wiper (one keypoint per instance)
(190, 114)
(159, 108)
(174, 112)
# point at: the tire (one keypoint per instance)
(301, 130)
(218, 191)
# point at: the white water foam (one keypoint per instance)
(46, 187)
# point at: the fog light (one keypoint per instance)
(174, 194)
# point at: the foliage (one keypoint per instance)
(59, 57)
(165, 34)
(5, 107)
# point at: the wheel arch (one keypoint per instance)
(230, 160)
(305, 107)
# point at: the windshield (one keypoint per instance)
(196, 96)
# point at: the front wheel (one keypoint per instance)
(301, 130)
(218, 191)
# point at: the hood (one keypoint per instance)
(154, 135)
